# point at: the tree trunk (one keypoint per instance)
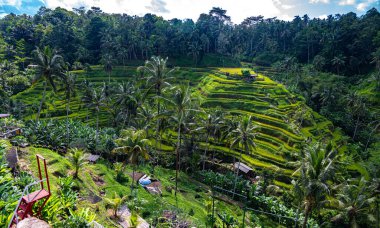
(237, 172)
(205, 153)
(97, 129)
(177, 157)
(67, 121)
(42, 101)
(353, 223)
(158, 144)
(356, 127)
(307, 213)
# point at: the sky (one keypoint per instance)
(182, 9)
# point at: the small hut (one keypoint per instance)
(8, 131)
(93, 158)
(243, 168)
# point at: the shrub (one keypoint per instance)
(245, 72)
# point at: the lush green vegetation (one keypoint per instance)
(307, 123)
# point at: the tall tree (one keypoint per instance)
(317, 167)
(158, 76)
(107, 61)
(69, 88)
(181, 104)
(210, 125)
(49, 66)
(356, 201)
(95, 99)
(243, 138)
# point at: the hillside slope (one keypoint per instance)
(285, 123)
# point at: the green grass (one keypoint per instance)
(185, 201)
(269, 103)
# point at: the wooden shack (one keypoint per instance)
(243, 169)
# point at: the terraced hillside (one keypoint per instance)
(55, 105)
(285, 122)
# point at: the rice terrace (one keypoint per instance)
(204, 120)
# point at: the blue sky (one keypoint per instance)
(237, 9)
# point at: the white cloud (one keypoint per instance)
(324, 16)
(15, 3)
(157, 6)
(319, 1)
(364, 5)
(347, 2)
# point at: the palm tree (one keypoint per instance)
(358, 107)
(355, 201)
(127, 97)
(49, 66)
(69, 88)
(132, 143)
(95, 99)
(181, 104)
(115, 203)
(77, 160)
(158, 77)
(107, 61)
(194, 50)
(338, 61)
(315, 170)
(210, 126)
(145, 116)
(243, 138)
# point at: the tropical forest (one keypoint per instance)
(121, 120)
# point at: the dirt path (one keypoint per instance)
(124, 215)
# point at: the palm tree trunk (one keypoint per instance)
(307, 213)
(133, 176)
(237, 174)
(205, 153)
(67, 121)
(369, 137)
(353, 223)
(356, 127)
(177, 157)
(97, 128)
(42, 101)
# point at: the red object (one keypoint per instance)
(25, 208)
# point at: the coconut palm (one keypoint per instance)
(315, 170)
(94, 99)
(115, 203)
(158, 77)
(243, 138)
(69, 87)
(181, 104)
(210, 126)
(127, 98)
(77, 159)
(358, 107)
(107, 61)
(49, 66)
(132, 143)
(338, 62)
(355, 200)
